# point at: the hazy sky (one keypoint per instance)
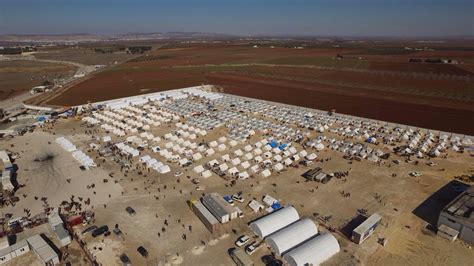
(309, 17)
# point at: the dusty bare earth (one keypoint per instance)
(163, 215)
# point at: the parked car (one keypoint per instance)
(250, 249)
(242, 240)
(142, 251)
(89, 229)
(229, 200)
(99, 231)
(270, 260)
(238, 198)
(239, 257)
(415, 174)
(125, 260)
(131, 211)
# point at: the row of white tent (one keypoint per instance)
(202, 94)
(83, 159)
(127, 149)
(66, 144)
(155, 164)
(191, 129)
(80, 156)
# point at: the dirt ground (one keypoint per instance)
(82, 55)
(60, 174)
(418, 93)
(19, 76)
(163, 214)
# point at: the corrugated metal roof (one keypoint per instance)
(43, 249)
(205, 212)
(46, 253)
(61, 233)
(215, 206)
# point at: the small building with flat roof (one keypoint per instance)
(43, 250)
(222, 210)
(458, 215)
(366, 229)
(206, 217)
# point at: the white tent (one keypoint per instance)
(257, 151)
(314, 251)
(197, 156)
(183, 161)
(248, 148)
(243, 175)
(277, 158)
(256, 206)
(213, 144)
(225, 157)
(245, 165)
(254, 169)
(258, 159)
(266, 173)
(311, 156)
(222, 139)
(235, 161)
(303, 153)
(206, 174)
(278, 167)
(248, 156)
(274, 221)
(233, 171)
(210, 152)
(287, 162)
(238, 153)
(164, 169)
(198, 169)
(223, 167)
(292, 235)
(233, 143)
(221, 147)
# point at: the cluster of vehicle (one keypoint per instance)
(249, 248)
(126, 260)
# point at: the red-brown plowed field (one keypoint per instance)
(435, 96)
(418, 112)
(447, 69)
(117, 84)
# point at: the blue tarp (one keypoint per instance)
(371, 140)
(283, 146)
(41, 118)
(276, 206)
(273, 144)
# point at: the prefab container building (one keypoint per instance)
(274, 221)
(43, 250)
(209, 221)
(458, 216)
(13, 251)
(365, 229)
(292, 235)
(222, 210)
(314, 251)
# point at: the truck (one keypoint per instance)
(99, 231)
